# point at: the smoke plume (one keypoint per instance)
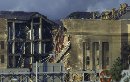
(56, 9)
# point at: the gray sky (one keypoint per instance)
(55, 9)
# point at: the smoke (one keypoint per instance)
(56, 9)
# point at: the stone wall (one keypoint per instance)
(96, 31)
(3, 37)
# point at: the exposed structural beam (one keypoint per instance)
(31, 35)
(13, 45)
(26, 41)
(100, 56)
(40, 35)
(13, 49)
(36, 72)
(63, 52)
(44, 50)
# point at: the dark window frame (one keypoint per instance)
(2, 59)
(2, 44)
(88, 60)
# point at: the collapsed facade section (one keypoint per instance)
(29, 37)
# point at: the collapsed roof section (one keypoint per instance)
(23, 16)
(127, 14)
(83, 15)
(115, 14)
(19, 15)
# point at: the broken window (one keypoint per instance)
(46, 30)
(2, 59)
(43, 47)
(27, 48)
(26, 62)
(95, 54)
(36, 47)
(17, 61)
(28, 37)
(105, 54)
(20, 30)
(10, 58)
(87, 53)
(36, 20)
(19, 47)
(10, 47)
(49, 47)
(88, 60)
(36, 31)
(10, 30)
(86, 77)
(2, 44)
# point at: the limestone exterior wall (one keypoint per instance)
(3, 42)
(82, 30)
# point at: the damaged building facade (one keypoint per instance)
(26, 37)
(97, 40)
(89, 43)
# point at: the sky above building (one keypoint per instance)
(57, 9)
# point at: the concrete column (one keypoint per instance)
(40, 31)
(93, 56)
(40, 35)
(97, 59)
(24, 48)
(84, 56)
(96, 53)
(31, 60)
(14, 61)
(100, 55)
(40, 47)
(44, 48)
(13, 30)
(31, 35)
(13, 45)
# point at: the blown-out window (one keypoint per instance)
(105, 54)
(88, 60)
(2, 59)
(95, 54)
(2, 44)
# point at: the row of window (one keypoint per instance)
(95, 53)
(25, 47)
